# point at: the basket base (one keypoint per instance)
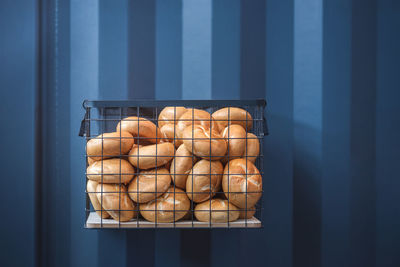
(94, 222)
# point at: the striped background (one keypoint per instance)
(328, 69)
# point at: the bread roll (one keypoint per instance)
(169, 207)
(196, 117)
(168, 133)
(181, 165)
(232, 115)
(109, 145)
(91, 189)
(149, 157)
(221, 211)
(115, 200)
(234, 180)
(249, 212)
(146, 130)
(170, 115)
(235, 136)
(114, 171)
(204, 142)
(204, 180)
(152, 184)
(252, 148)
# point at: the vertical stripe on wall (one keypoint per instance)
(196, 84)
(252, 85)
(168, 49)
(225, 248)
(226, 49)
(168, 86)
(278, 149)
(17, 79)
(362, 162)
(141, 49)
(336, 179)
(84, 85)
(387, 134)
(252, 49)
(113, 49)
(113, 79)
(196, 49)
(55, 143)
(141, 85)
(307, 115)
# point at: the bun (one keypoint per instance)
(168, 133)
(170, 115)
(146, 130)
(219, 211)
(250, 213)
(231, 115)
(235, 175)
(115, 200)
(169, 207)
(196, 117)
(252, 148)
(204, 142)
(151, 156)
(109, 145)
(147, 191)
(110, 171)
(235, 135)
(204, 180)
(181, 165)
(91, 190)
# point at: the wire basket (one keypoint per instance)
(174, 164)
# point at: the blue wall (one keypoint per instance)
(328, 69)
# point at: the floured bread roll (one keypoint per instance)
(151, 156)
(143, 128)
(195, 117)
(204, 180)
(109, 145)
(252, 148)
(169, 207)
(168, 132)
(231, 115)
(204, 142)
(221, 211)
(242, 183)
(144, 187)
(170, 115)
(181, 165)
(111, 171)
(235, 136)
(115, 200)
(91, 189)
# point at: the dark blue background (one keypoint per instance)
(328, 69)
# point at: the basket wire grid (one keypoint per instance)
(104, 116)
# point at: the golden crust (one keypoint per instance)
(242, 183)
(109, 145)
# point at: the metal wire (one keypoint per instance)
(109, 113)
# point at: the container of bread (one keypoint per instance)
(174, 164)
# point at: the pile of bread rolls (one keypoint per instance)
(188, 165)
